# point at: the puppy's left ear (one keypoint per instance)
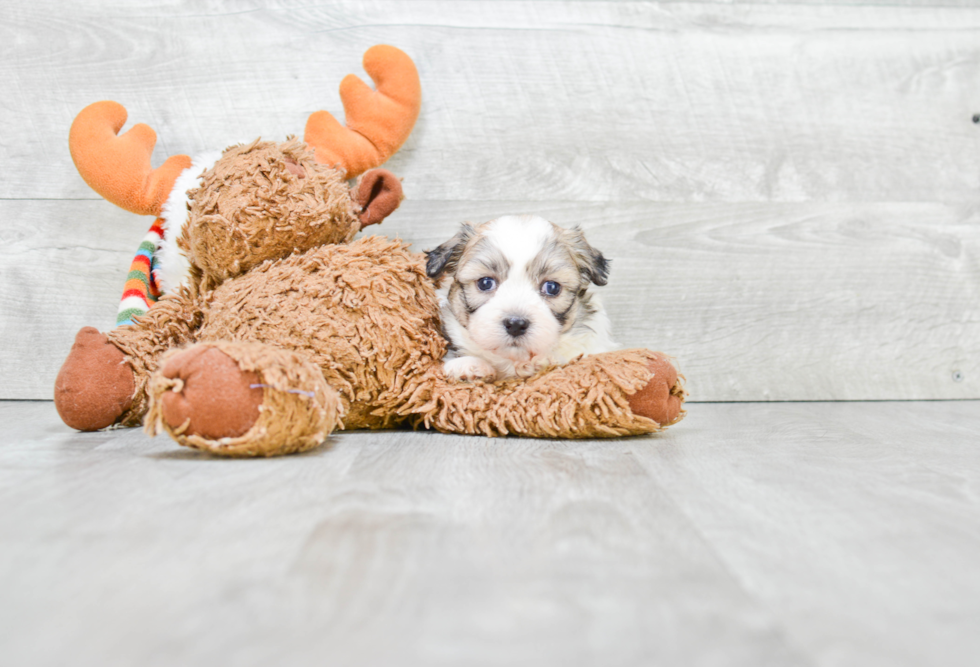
(591, 264)
(445, 257)
(378, 193)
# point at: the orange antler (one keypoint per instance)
(378, 121)
(118, 167)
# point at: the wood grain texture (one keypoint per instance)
(755, 301)
(581, 101)
(63, 265)
(749, 534)
(789, 191)
(871, 505)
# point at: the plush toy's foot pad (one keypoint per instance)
(662, 397)
(95, 385)
(241, 399)
(214, 398)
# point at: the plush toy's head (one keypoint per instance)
(266, 200)
(224, 213)
(262, 201)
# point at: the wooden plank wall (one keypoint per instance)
(790, 192)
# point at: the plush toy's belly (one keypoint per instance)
(366, 313)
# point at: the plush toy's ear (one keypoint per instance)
(446, 256)
(591, 264)
(378, 193)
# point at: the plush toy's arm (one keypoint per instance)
(630, 392)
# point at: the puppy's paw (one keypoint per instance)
(525, 369)
(468, 369)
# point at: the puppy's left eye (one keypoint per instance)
(551, 288)
(486, 284)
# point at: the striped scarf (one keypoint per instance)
(141, 290)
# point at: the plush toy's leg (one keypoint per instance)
(242, 399)
(95, 385)
(103, 380)
(628, 392)
(210, 395)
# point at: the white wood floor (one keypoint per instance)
(749, 534)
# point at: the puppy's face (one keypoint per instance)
(517, 283)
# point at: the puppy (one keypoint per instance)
(514, 297)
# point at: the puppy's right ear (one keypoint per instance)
(445, 257)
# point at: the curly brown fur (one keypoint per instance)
(262, 201)
(365, 313)
(587, 398)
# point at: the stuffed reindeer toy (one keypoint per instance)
(262, 324)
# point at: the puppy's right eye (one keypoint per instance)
(485, 284)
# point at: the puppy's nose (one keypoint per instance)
(516, 326)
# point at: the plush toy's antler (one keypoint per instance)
(118, 167)
(378, 121)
